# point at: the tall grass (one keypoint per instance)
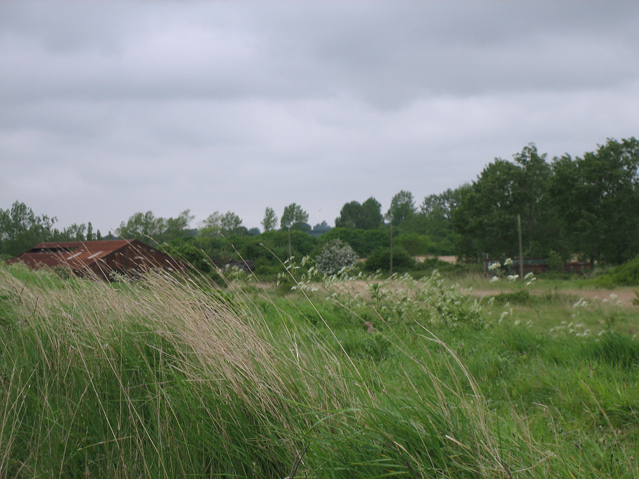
(169, 378)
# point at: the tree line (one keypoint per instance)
(585, 206)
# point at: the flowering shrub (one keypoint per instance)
(498, 270)
(336, 257)
(402, 299)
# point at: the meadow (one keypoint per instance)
(334, 377)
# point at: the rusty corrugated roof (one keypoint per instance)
(74, 254)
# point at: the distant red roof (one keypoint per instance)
(101, 257)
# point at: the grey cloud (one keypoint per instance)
(384, 54)
(108, 108)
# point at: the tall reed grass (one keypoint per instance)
(167, 377)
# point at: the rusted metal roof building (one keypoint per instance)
(100, 258)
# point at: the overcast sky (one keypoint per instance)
(112, 108)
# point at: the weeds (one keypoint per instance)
(169, 377)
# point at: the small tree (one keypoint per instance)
(231, 223)
(401, 208)
(270, 220)
(293, 214)
(211, 226)
(143, 227)
(335, 257)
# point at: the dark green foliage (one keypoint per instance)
(320, 228)
(350, 216)
(520, 296)
(293, 214)
(486, 218)
(197, 259)
(301, 242)
(366, 216)
(555, 263)
(380, 260)
(148, 228)
(446, 268)
(373, 217)
(21, 229)
(269, 223)
(191, 255)
(597, 200)
(415, 244)
(401, 208)
(624, 275)
(434, 230)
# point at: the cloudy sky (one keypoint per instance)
(111, 108)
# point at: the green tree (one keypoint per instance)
(382, 259)
(142, 226)
(75, 232)
(231, 224)
(350, 216)
(373, 217)
(211, 226)
(540, 229)
(293, 214)
(434, 220)
(486, 217)
(415, 244)
(177, 228)
(21, 229)
(596, 198)
(401, 208)
(269, 223)
(442, 204)
(366, 216)
(320, 228)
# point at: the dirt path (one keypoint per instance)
(625, 295)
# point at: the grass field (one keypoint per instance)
(168, 377)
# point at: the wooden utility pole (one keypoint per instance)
(521, 250)
(391, 250)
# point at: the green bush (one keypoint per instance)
(624, 275)
(191, 255)
(415, 244)
(555, 263)
(380, 260)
